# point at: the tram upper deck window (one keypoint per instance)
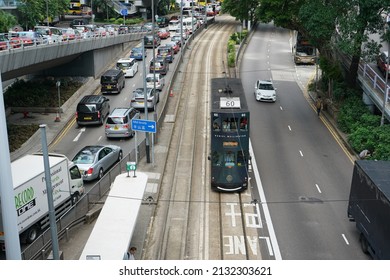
(229, 124)
(244, 124)
(216, 123)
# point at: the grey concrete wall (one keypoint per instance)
(17, 62)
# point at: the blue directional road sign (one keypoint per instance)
(143, 125)
(124, 12)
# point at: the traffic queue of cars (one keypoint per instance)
(43, 35)
(94, 161)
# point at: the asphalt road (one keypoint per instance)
(305, 172)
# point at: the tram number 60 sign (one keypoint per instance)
(230, 103)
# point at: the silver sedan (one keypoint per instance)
(94, 161)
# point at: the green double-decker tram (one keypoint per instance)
(229, 152)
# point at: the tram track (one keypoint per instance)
(191, 221)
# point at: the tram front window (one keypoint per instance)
(230, 159)
(240, 158)
(216, 159)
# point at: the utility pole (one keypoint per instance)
(8, 211)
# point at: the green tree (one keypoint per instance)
(242, 10)
(7, 21)
(330, 24)
(32, 13)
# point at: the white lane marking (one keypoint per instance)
(345, 239)
(318, 188)
(281, 108)
(289, 128)
(100, 138)
(301, 153)
(264, 204)
(79, 135)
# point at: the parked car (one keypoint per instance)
(137, 53)
(165, 52)
(112, 81)
(382, 62)
(10, 43)
(265, 91)
(138, 98)
(148, 41)
(163, 33)
(94, 161)
(69, 34)
(177, 40)
(123, 29)
(129, 66)
(159, 66)
(86, 31)
(118, 123)
(100, 32)
(29, 38)
(79, 21)
(158, 78)
(174, 46)
(92, 109)
(47, 33)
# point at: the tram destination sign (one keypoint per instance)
(143, 125)
(229, 103)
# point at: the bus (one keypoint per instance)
(304, 52)
(75, 8)
(173, 25)
(229, 151)
(111, 236)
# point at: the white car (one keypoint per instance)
(160, 81)
(265, 91)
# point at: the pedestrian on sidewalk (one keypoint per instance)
(319, 105)
(130, 255)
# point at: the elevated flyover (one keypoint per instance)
(85, 57)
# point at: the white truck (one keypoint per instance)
(31, 204)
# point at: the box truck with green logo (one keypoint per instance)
(30, 193)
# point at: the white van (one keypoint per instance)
(173, 24)
(129, 66)
(189, 23)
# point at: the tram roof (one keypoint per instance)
(230, 88)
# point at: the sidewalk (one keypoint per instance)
(53, 128)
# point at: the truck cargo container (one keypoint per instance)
(369, 206)
(31, 204)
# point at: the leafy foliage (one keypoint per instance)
(6, 21)
(363, 129)
(19, 134)
(41, 93)
(34, 12)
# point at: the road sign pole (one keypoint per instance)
(136, 147)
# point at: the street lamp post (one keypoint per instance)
(58, 118)
(47, 12)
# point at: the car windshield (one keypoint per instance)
(87, 108)
(151, 79)
(139, 92)
(123, 65)
(84, 157)
(266, 86)
(116, 120)
(107, 79)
